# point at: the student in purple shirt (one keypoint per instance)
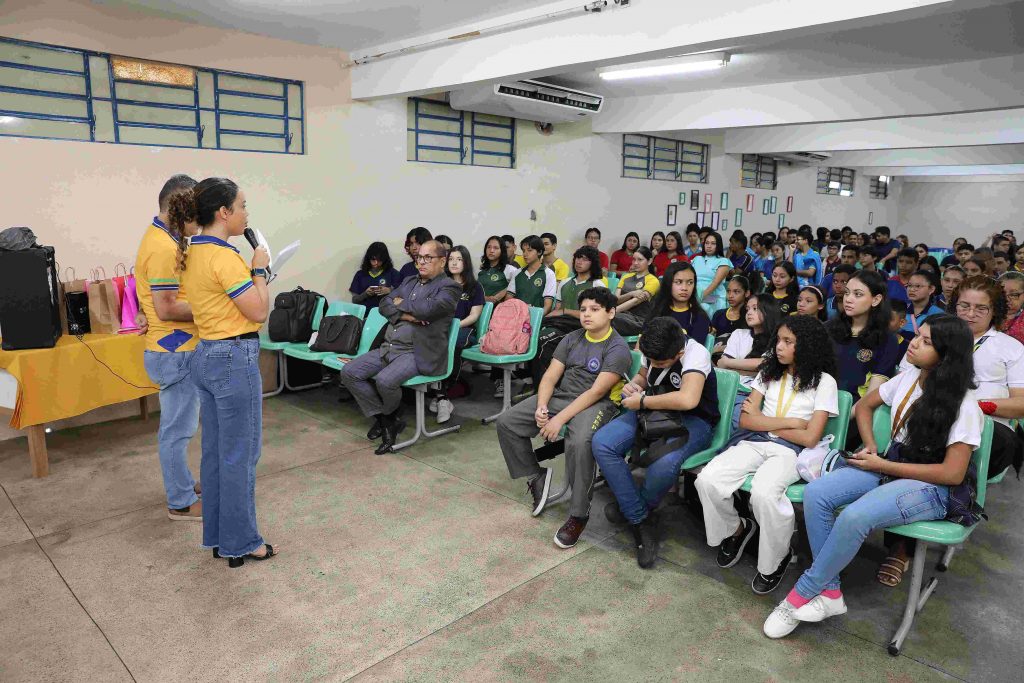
(375, 278)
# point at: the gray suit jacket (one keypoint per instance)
(434, 302)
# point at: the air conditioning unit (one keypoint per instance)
(808, 158)
(530, 100)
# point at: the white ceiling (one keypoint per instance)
(941, 39)
(346, 24)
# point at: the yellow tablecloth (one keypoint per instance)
(67, 380)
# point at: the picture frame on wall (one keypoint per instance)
(707, 203)
(670, 218)
(789, 204)
(782, 221)
(765, 206)
(694, 200)
(723, 201)
(716, 221)
(725, 224)
(750, 203)
(871, 217)
(682, 199)
(699, 219)
(738, 222)
(774, 205)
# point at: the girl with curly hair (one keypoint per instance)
(935, 425)
(791, 400)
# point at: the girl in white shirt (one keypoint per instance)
(791, 400)
(936, 424)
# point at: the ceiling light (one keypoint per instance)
(666, 67)
(883, 178)
(845, 193)
(833, 185)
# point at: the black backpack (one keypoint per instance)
(339, 334)
(292, 317)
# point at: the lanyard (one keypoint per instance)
(783, 407)
(901, 418)
(981, 340)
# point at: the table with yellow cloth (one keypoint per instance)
(70, 379)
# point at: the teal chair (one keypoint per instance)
(302, 351)
(508, 363)
(728, 384)
(940, 532)
(279, 347)
(613, 281)
(420, 384)
(371, 328)
(709, 343)
(838, 427)
(484, 320)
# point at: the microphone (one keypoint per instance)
(250, 237)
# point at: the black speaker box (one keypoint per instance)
(29, 313)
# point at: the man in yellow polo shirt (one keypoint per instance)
(170, 340)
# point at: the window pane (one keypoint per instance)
(104, 116)
(38, 104)
(206, 90)
(251, 104)
(294, 101)
(99, 76)
(296, 146)
(33, 128)
(208, 120)
(53, 59)
(34, 80)
(154, 93)
(255, 144)
(250, 85)
(131, 113)
(251, 123)
(157, 136)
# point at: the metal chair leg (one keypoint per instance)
(506, 401)
(947, 558)
(280, 377)
(284, 365)
(915, 598)
(421, 422)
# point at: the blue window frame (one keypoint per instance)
(651, 158)
(441, 135)
(53, 92)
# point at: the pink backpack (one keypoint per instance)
(508, 333)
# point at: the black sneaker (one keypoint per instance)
(539, 488)
(762, 585)
(613, 514)
(731, 549)
(645, 534)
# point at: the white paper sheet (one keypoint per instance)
(282, 257)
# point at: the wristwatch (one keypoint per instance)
(258, 272)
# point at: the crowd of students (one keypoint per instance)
(800, 316)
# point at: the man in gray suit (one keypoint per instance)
(419, 313)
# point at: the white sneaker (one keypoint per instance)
(499, 389)
(781, 621)
(821, 608)
(444, 410)
(432, 406)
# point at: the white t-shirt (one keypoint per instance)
(804, 403)
(998, 367)
(511, 270)
(969, 421)
(739, 346)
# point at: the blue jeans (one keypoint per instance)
(612, 442)
(871, 505)
(179, 419)
(227, 375)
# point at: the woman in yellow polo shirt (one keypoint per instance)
(229, 303)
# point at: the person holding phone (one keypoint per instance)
(229, 301)
(375, 278)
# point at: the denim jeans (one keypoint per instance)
(179, 419)
(612, 442)
(871, 505)
(227, 375)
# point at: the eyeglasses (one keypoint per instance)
(965, 307)
(1014, 295)
(426, 258)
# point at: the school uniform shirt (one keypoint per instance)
(363, 280)
(662, 261)
(883, 250)
(215, 274)
(691, 251)
(722, 326)
(621, 261)
(897, 290)
(695, 325)
(533, 289)
(856, 366)
(804, 262)
(743, 262)
(494, 280)
(903, 340)
(764, 265)
(561, 269)
(707, 268)
(156, 270)
(950, 260)
(695, 358)
(408, 270)
(998, 367)
(585, 358)
(969, 420)
(569, 289)
(931, 310)
(832, 307)
(647, 282)
(786, 302)
(467, 300)
(803, 403)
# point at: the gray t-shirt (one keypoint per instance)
(584, 360)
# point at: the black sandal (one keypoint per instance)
(236, 562)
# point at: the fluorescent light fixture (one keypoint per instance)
(833, 185)
(845, 193)
(883, 178)
(665, 67)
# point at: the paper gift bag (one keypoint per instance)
(104, 308)
(129, 306)
(74, 304)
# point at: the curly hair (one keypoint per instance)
(813, 355)
(594, 256)
(942, 391)
(994, 290)
(198, 205)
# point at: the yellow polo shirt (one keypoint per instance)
(156, 270)
(214, 275)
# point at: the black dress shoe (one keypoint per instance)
(388, 435)
(376, 430)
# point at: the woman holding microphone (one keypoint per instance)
(229, 303)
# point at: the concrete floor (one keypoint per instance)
(426, 565)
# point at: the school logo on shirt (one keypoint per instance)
(593, 365)
(494, 277)
(383, 281)
(464, 297)
(537, 282)
(865, 355)
(675, 379)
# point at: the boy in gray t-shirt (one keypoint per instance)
(577, 393)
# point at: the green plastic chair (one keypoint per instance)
(301, 350)
(420, 383)
(279, 347)
(508, 363)
(709, 343)
(728, 384)
(613, 281)
(838, 427)
(371, 328)
(940, 532)
(484, 320)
